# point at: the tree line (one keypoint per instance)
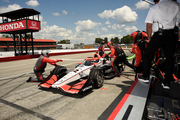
(125, 39)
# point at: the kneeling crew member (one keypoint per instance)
(41, 64)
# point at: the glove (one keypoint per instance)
(59, 60)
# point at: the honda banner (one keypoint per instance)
(19, 25)
(33, 25)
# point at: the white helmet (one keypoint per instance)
(45, 53)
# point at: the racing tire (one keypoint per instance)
(97, 77)
(60, 71)
(109, 73)
(108, 70)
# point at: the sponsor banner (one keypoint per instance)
(13, 26)
(33, 25)
(19, 25)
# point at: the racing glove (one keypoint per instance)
(59, 60)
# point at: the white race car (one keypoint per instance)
(87, 75)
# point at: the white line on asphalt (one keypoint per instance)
(31, 72)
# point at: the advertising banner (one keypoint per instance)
(19, 25)
(33, 25)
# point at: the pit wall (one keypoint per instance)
(23, 57)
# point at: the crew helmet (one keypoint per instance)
(45, 53)
(110, 43)
(144, 35)
(136, 35)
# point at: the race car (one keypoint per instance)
(87, 75)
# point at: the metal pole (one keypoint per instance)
(32, 43)
(21, 44)
(14, 44)
(25, 42)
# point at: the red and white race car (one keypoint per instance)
(87, 75)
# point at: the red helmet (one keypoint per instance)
(136, 35)
(102, 42)
(110, 43)
(144, 35)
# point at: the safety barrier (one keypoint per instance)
(14, 58)
(23, 57)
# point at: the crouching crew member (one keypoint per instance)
(41, 64)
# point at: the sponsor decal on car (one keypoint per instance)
(87, 88)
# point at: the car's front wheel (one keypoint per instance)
(97, 77)
(60, 71)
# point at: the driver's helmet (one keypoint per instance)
(144, 35)
(110, 43)
(45, 53)
(136, 35)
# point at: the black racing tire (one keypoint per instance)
(107, 71)
(97, 77)
(60, 71)
(109, 75)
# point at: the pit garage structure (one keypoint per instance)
(18, 23)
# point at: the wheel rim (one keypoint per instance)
(100, 78)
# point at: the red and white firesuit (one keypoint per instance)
(41, 64)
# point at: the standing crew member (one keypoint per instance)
(119, 55)
(139, 44)
(161, 20)
(41, 64)
(101, 49)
